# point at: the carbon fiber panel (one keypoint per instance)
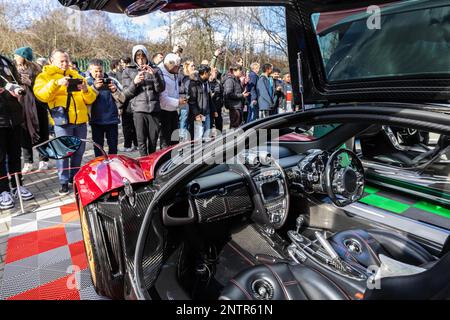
(254, 243)
(215, 206)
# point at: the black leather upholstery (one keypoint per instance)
(287, 282)
(298, 282)
(376, 242)
(431, 284)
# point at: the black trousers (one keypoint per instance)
(10, 139)
(235, 118)
(147, 131)
(43, 125)
(169, 124)
(218, 122)
(129, 131)
(108, 131)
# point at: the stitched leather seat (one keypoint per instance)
(297, 282)
(363, 247)
(283, 282)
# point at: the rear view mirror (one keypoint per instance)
(59, 148)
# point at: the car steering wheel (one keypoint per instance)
(344, 178)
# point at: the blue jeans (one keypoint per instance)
(201, 129)
(65, 173)
(184, 124)
(252, 113)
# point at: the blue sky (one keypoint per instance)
(23, 12)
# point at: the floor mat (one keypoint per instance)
(45, 258)
(407, 205)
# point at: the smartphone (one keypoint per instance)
(73, 85)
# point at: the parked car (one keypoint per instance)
(284, 219)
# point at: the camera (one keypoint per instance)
(13, 87)
(18, 90)
(73, 85)
(106, 83)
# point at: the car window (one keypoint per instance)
(404, 38)
(308, 133)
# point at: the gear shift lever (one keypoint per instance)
(295, 236)
(299, 223)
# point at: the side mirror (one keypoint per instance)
(59, 148)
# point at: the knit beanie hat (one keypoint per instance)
(25, 52)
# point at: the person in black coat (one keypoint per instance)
(201, 106)
(217, 98)
(142, 85)
(234, 95)
(11, 120)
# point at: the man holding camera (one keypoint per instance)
(67, 94)
(104, 118)
(11, 120)
(143, 84)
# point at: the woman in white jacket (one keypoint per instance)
(170, 100)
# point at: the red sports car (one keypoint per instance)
(283, 218)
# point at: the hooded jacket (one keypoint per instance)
(144, 97)
(170, 97)
(233, 93)
(47, 90)
(10, 109)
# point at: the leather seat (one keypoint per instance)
(297, 282)
(282, 281)
(364, 247)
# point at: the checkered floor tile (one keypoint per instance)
(45, 258)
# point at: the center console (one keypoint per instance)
(320, 251)
(271, 186)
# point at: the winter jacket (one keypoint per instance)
(170, 97)
(144, 97)
(217, 94)
(116, 75)
(265, 99)
(200, 102)
(104, 111)
(31, 122)
(11, 111)
(232, 93)
(251, 87)
(47, 90)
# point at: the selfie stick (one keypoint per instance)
(300, 79)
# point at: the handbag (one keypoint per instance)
(60, 114)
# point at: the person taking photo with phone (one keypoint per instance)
(142, 84)
(104, 114)
(67, 94)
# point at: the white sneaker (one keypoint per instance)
(26, 194)
(6, 201)
(27, 168)
(43, 165)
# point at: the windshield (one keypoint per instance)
(406, 38)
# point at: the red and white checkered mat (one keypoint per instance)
(45, 258)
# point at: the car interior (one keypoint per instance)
(272, 227)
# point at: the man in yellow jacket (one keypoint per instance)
(71, 108)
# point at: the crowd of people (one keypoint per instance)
(160, 97)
